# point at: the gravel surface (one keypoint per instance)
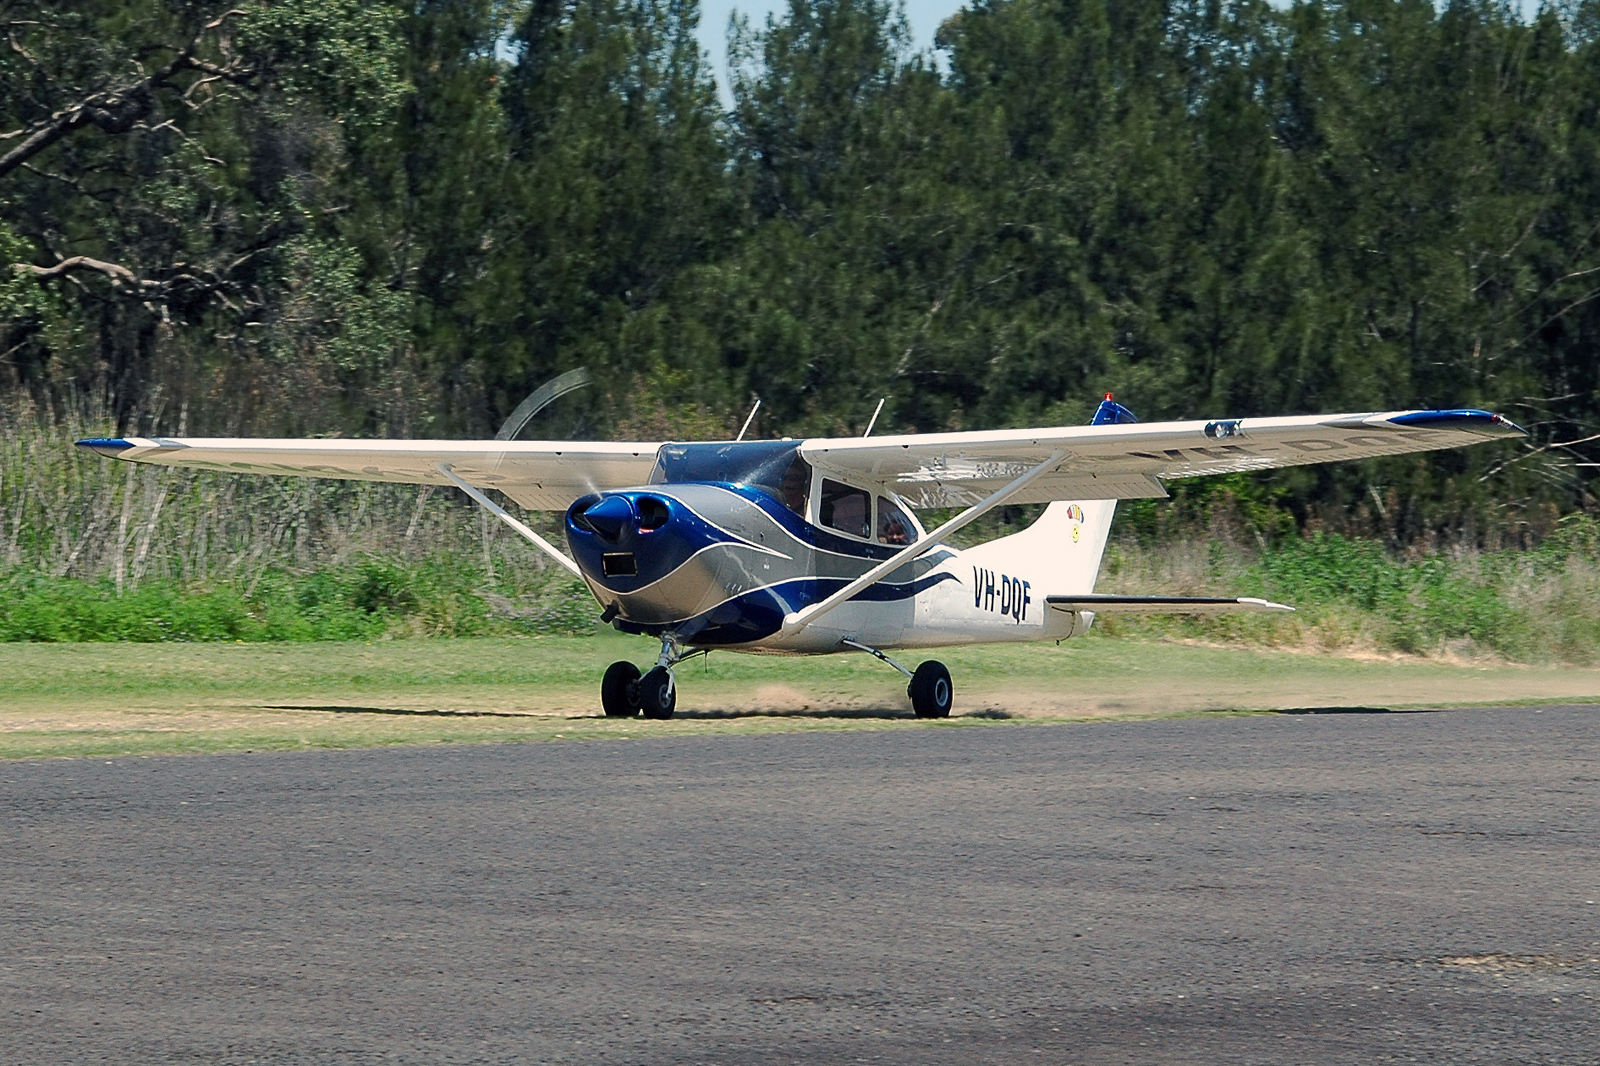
(1334, 888)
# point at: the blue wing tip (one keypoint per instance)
(1462, 418)
(112, 446)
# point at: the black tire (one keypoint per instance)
(619, 690)
(930, 690)
(658, 695)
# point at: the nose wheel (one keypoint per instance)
(619, 690)
(624, 693)
(658, 694)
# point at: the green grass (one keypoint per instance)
(100, 699)
(441, 595)
(1537, 606)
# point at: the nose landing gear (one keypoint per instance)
(623, 693)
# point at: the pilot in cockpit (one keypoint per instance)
(796, 487)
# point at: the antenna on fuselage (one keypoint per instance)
(542, 397)
(874, 420)
(749, 419)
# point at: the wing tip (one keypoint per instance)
(108, 446)
(1470, 418)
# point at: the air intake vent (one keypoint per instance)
(619, 564)
(653, 513)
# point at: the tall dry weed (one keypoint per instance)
(67, 512)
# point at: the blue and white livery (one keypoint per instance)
(806, 547)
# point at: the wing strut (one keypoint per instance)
(505, 516)
(797, 621)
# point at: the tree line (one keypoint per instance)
(398, 218)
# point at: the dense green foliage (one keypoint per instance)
(281, 216)
(371, 599)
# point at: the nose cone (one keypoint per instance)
(609, 516)
(625, 541)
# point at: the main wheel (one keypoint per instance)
(930, 690)
(657, 694)
(619, 690)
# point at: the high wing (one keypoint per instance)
(540, 475)
(1125, 461)
(1130, 461)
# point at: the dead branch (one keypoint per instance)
(114, 271)
(119, 110)
(1532, 452)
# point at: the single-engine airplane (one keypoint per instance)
(806, 547)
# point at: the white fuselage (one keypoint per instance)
(995, 593)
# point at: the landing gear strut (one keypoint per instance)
(623, 693)
(930, 689)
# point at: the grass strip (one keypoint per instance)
(80, 700)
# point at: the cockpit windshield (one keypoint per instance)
(773, 466)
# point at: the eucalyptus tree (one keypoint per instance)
(156, 158)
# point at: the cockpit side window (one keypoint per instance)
(894, 527)
(795, 489)
(846, 509)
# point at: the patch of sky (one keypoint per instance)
(923, 17)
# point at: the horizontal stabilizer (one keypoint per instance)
(1105, 604)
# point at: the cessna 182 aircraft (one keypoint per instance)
(805, 547)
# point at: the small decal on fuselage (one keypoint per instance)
(1001, 594)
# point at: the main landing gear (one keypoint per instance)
(930, 689)
(624, 693)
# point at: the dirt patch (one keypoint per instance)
(1498, 963)
(1375, 690)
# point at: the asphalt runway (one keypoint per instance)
(1331, 888)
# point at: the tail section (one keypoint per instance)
(1060, 556)
(1111, 413)
(1065, 545)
